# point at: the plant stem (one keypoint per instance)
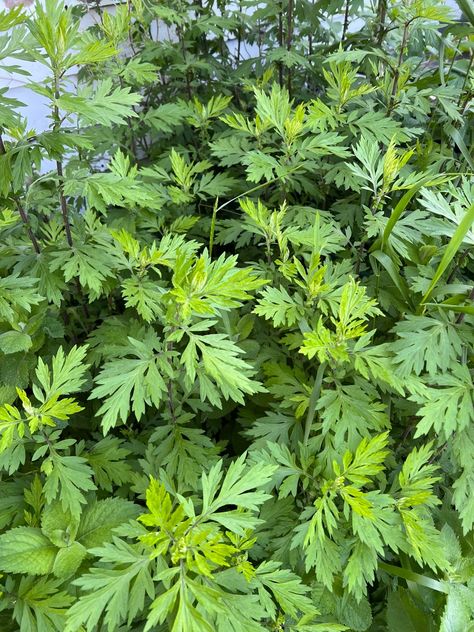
(169, 388)
(59, 167)
(462, 315)
(280, 43)
(21, 210)
(463, 103)
(213, 226)
(313, 400)
(346, 20)
(396, 75)
(26, 221)
(289, 40)
(183, 52)
(453, 60)
(239, 33)
(133, 142)
(256, 188)
(381, 15)
(62, 199)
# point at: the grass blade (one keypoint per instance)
(459, 141)
(451, 250)
(403, 203)
(387, 263)
(467, 7)
(460, 309)
(411, 576)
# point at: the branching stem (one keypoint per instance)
(59, 167)
(23, 214)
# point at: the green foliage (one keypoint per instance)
(236, 318)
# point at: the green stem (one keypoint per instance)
(213, 226)
(462, 315)
(396, 76)
(313, 400)
(21, 210)
(26, 222)
(256, 188)
(466, 79)
(59, 165)
(453, 60)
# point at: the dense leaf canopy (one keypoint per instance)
(236, 318)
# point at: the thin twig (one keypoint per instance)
(21, 210)
(280, 43)
(462, 315)
(396, 75)
(213, 226)
(59, 167)
(62, 199)
(313, 400)
(466, 79)
(26, 221)
(289, 40)
(346, 20)
(453, 60)
(382, 14)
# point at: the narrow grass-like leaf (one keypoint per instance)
(399, 209)
(459, 141)
(390, 267)
(411, 576)
(467, 7)
(451, 250)
(461, 309)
